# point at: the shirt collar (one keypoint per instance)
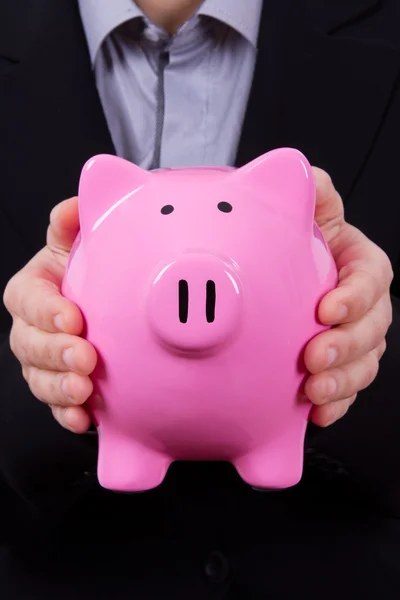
(101, 17)
(244, 17)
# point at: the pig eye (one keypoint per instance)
(167, 210)
(225, 207)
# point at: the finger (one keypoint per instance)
(381, 349)
(52, 351)
(33, 297)
(64, 226)
(361, 285)
(326, 415)
(348, 342)
(59, 389)
(75, 419)
(342, 382)
(329, 211)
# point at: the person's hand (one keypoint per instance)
(345, 359)
(56, 363)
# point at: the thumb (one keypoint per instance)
(329, 210)
(64, 225)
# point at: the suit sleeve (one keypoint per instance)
(41, 463)
(367, 440)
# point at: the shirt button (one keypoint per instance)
(217, 567)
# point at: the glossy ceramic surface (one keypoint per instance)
(199, 288)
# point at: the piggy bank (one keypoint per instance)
(199, 289)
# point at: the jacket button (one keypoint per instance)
(217, 567)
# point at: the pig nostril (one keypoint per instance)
(210, 301)
(183, 300)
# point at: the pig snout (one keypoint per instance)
(194, 303)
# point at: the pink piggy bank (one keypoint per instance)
(199, 289)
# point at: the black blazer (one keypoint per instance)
(326, 82)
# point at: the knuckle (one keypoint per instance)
(387, 268)
(42, 350)
(359, 305)
(49, 353)
(324, 179)
(13, 340)
(381, 349)
(7, 297)
(9, 292)
(348, 383)
(44, 386)
(389, 319)
(48, 300)
(352, 399)
(33, 351)
(34, 381)
(18, 340)
(388, 311)
(24, 346)
(42, 311)
(53, 389)
(49, 231)
(371, 369)
(26, 373)
(342, 409)
(380, 327)
(374, 369)
(389, 274)
(353, 348)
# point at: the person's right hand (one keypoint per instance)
(56, 362)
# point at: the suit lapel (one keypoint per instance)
(317, 89)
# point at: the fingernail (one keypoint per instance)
(68, 358)
(59, 322)
(331, 356)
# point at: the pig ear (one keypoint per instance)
(105, 182)
(286, 179)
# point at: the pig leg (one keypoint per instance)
(274, 465)
(125, 465)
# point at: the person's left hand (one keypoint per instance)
(345, 359)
